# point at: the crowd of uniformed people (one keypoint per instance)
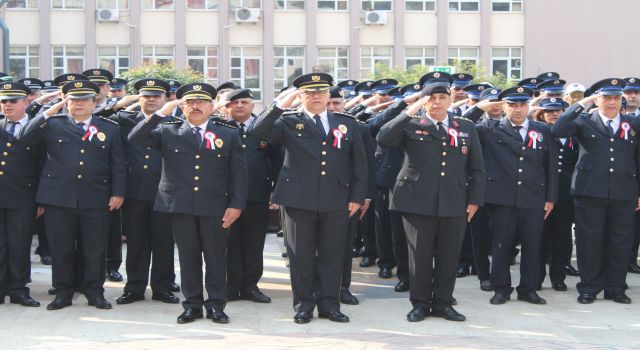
(430, 179)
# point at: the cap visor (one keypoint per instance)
(11, 97)
(610, 92)
(151, 93)
(81, 96)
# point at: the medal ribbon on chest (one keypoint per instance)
(337, 138)
(91, 131)
(624, 130)
(210, 137)
(534, 137)
(454, 137)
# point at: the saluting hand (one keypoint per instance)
(230, 216)
(412, 98)
(126, 101)
(115, 202)
(168, 107)
(288, 100)
(56, 108)
(548, 208)
(416, 106)
(487, 105)
(353, 208)
(471, 211)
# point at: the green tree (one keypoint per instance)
(161, 71)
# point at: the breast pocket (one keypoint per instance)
(415, 137)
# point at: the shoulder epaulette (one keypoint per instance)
(108, 120)
(224, 124)
(57, 116)
(289, 112)
(344, 115)
(174, 122)
(463, 118)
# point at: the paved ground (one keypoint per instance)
(377, 323)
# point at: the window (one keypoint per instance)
(463, 55)
(157, 4)
(24, 61)
(373, 58)
(68, 59)
(464, 6)
(114, 59)
(22, 4)
(507, 6)
(376, 5)
(507, 61)
(245, 3)
(202, 4)
(113, 4)
(157, 54)
(246, 63)
(288, 63)
(421, 5)
(419, 56)
(333, 5)
(334, 61)
(290, 4)
(67, 4)
(204, 60)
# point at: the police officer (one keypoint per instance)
(45, 101)
(631, 93)
(322, 183)
(605, 190)
(82, 181)
(439, 189)
(148, 231)
(247, 235)
(522, 187)
(174, 85)
(203, 186)
(117, 90)
(19, 167)
(35, 85)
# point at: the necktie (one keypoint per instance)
(241, 129)
(610, 127)
(316, 118)
(196, 133)
(441, 128)
(12, 129)
(80, 125)
(518, 127)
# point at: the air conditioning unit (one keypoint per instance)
(375, 17)
(246, 14)
(108, 15)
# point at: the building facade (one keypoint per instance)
(263, 44)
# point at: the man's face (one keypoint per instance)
(458, 94)
(33, 95)
(151, 103)
(240, 109)
(118, 93)
(551, 117)
(14, 109)
(172, 96)
(315, 101)
(81, 108)
(336, 104)
(382, 98)
(104, 91)
(516, 111)
(633, 98)
(437, 105)
(197, 111)
(496, 110)
(609, 105)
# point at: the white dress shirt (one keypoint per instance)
(524, 128)
(323, 118)
(445, 123)
(203, 128)
(21, 123)
(615, 122)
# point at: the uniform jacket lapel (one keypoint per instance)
(186, 132)
(71, 124)
(310, 123)
(598, 124)
(505, 125)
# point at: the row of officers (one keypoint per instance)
(197, 167)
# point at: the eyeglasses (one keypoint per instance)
(9, 101)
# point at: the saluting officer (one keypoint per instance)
(605, 189)
(203, 186)
(522, 186)
(322, 183)
(83, 179)
(148, 231)
(439, 189)
(19, 167)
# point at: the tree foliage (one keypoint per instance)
(161, 71)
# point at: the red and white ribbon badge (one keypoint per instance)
(91, 131)
(210, 137)
(533, 139)
(454, 137)
(570, 142)
(624, 130)
(338, 135)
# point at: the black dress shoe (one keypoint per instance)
(462, 271)
(619, 298)
(165, 297)
(46, 260)
(217, 315)
(52, 291)
(367, 261)
(173, 287)
(58, 303)
(559, 286)
(500, 298)
(335, 316)
(634, 268)
(402, 286)
(256, 296)
(347, 298)
(417, 314)
(129, 297)
(24, 301)
(486, 285)
(448, 313)
(385, 272)
(532, 298)
(114, 276)
(571, 271)
(302, 317)
(100, 303)
(586, 298)
(189, 315)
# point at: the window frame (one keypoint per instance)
(373, 8)
(459, 2)
(285, 67)
(65, 57)
(118, 70)
(286, 6)
(422, 58)
(142, 8)
(232, 6)
(509, 60)
(335, 3)
(205, 58)
(217, 8)
(458, 58)
(372, 57)
(65, 8)
(26, 8)
(27, 60)
(154, 56)
(435, 6)
(510, 2)
(335, 61)
(259, 92)
(114, 8)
